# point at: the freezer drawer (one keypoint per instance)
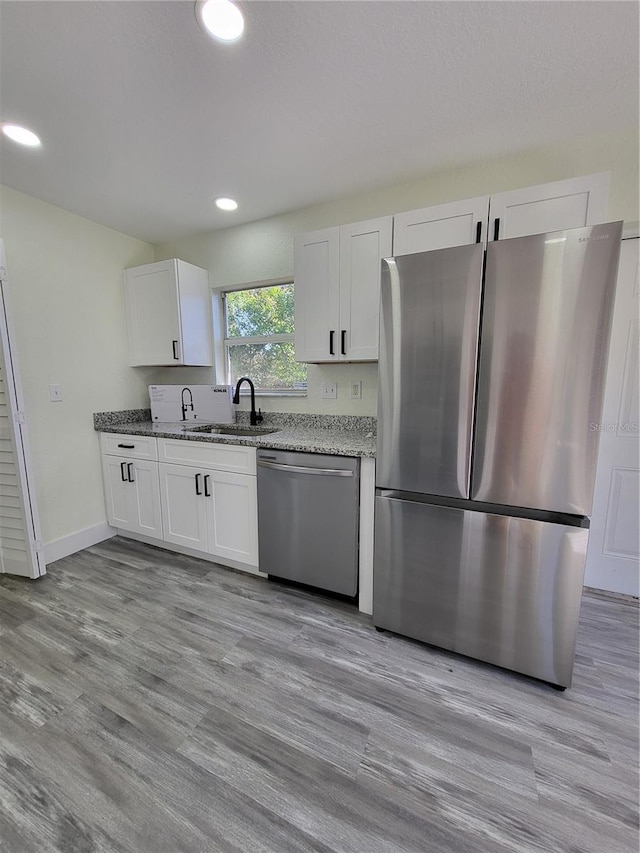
(308, 507)
(500, 589)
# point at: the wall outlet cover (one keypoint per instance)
(55, 393)
(356, 389)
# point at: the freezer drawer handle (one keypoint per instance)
(300, 469)
(174, 344)
(127, 446)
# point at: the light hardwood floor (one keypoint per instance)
(154, 703)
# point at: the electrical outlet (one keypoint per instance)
(329, 391)
(55, 393)
(356, 389)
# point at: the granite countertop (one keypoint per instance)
(340, 435)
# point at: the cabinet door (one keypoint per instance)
(233, 516)
(144, 498)
(440, 227)
(362, 247)
(557, 206)
(316, 273)
(194, 298)
(116, 492)
(151, 294)
(184, 511)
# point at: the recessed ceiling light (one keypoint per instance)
(20, 134)
(220, 18)
(225, 203)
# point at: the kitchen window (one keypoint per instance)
(258, 338)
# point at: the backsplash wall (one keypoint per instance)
(341, 374)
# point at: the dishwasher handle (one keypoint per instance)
(303, 469)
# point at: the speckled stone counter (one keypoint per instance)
(342, 435)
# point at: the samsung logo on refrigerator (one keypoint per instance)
(595, 237)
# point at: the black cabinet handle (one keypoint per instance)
(127, 446)
(207, 492)
(175, 350)
(331, 334)
(198, 489)
(496, 229)
(478, 232)
(123, 472)
(343, 342)
(130, 472)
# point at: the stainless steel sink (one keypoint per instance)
(230, 429)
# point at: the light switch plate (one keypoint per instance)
(329, 391)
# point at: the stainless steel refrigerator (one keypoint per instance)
(491, 378)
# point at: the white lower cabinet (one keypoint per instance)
(132, 495)
(184, 512)
(233, 525)
(201, 497)
(211, 511)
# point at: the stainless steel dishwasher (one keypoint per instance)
(308, 506)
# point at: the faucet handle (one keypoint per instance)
(259, 417)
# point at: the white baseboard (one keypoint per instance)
(75, 542)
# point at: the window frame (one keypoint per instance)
(222, 342)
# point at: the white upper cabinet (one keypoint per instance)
(168, 307)
(573, 203)
(362, 247)
(441, 226)
(337, 282)
(337, 270)
(316, 264)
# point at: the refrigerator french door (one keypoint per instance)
(491, 381)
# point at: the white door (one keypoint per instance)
(573, 203)
(233, 516)
(316, 269)
(184, 510)
(362, 247)
(441, 226)
(153, 325)
(20, 544)
(614, 540)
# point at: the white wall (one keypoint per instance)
(264, 249)
(65, 285)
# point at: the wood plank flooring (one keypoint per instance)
(153, 703)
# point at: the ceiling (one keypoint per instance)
(144, 120)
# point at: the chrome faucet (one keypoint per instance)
(254, 417)
(188, 405)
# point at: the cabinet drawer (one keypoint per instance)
(220, 457)
(135, 446)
